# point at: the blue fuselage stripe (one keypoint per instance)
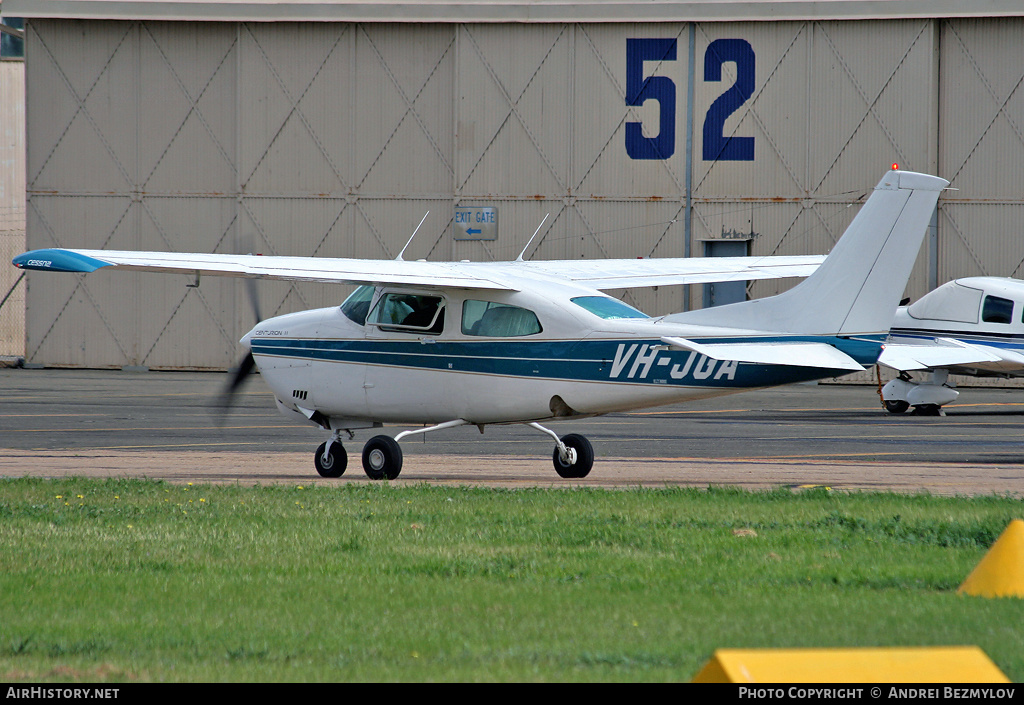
(1001, 340)
(615, 360)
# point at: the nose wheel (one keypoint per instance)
(330, 459)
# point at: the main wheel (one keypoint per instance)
(382, 458)
(584, 457)
(331, 464)
(896, 406)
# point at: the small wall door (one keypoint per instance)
(720, 293)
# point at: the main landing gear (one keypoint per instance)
(572, 458)
(927, 397)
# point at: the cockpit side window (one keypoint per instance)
(488, 318)
(357, 305)
(409, 313)
(997, 310)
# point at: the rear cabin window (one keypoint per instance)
(997, 310)
(608, 308)
(409, 313)
(488, 318)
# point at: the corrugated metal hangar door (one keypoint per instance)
(334, 139)
(982, 149)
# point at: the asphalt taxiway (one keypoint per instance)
(168, 425)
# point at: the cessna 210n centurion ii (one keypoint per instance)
(449, 344)
(972, 326)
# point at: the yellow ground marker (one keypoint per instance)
(1001, 572)
(945, 664)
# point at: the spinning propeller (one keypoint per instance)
(247, 363)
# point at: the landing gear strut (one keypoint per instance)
(573, 457)
(927, 397)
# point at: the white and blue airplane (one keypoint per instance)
(972, 326)
(444, 344)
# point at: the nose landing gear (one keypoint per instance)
(330, 459)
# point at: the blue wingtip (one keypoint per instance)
(54, 260)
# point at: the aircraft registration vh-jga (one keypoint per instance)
(441, 344)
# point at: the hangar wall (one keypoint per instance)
(334, 139)
(12, 208)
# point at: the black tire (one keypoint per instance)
(895, 406)
(382, 458)
(335, 463)
(584, 457)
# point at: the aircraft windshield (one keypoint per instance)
(608, 308)
(357, 305)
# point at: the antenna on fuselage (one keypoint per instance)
(399, 258)
(520, 257)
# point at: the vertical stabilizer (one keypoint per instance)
(857, 288)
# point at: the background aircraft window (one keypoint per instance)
(997, 310)
(607, 307)
(409, 312)
(357, 305)
(494, 319)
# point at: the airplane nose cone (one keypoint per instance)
(247, 339)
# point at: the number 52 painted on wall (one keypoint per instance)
(717, 147)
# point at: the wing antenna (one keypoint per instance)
(520, 257)
(399, 258)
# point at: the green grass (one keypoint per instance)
(148, 581)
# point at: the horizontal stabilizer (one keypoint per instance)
(799, 353)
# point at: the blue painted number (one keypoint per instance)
(640, 89)
(718, 147)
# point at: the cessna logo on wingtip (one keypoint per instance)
(38, 263)
(648, 356)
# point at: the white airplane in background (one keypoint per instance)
(972, 326)
(480, 343)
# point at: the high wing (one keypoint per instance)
(311, 269)
(599, 274)
(606, 274)
(944, 352)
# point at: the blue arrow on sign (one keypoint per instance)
(473, 231)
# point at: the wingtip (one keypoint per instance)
(57, 260)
